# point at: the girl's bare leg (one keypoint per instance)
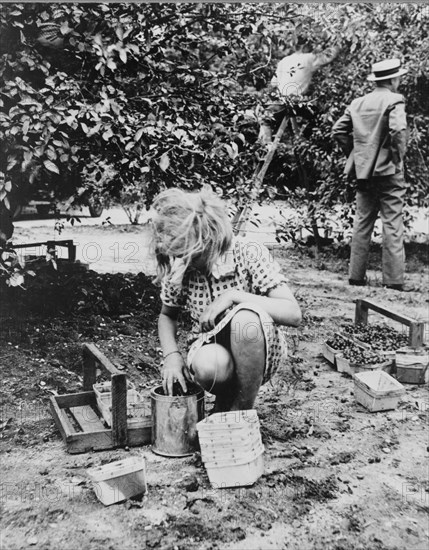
(234, 376)
(214, 371)
(248, 351)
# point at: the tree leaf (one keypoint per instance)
(49, 165)
(111, 64)
(139, 134)
(107, 134)
(123, 55)
(16, 279)
(164, 162)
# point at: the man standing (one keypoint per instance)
(372, 133)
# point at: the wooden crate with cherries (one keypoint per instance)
(350, 356)
(361, 346)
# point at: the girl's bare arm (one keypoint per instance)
(174, 368)
(280, 304)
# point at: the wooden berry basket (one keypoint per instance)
(139, 408)
(348, 367)
(330, 354)
(412, 365)
(377, 391)
(335, 356)
(79, 419)
(344, 365)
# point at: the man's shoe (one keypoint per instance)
(395, 287)
(401, 287)
(357, 282)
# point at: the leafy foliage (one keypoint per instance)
(366, 36)
(126, 87)
(128, 98)
(73, 290)
(12, 268)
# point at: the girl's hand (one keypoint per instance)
(218, 306)
(174, 370)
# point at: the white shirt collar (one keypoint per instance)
(225, 265)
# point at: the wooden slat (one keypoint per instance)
(368, 304)
(89, 364)
(416, 335)
(119, 410)
(75, 399)
(241, 216)
(87, 418)
(361, 313)
(99, 441)
(65, 243)
(84, 442)
(61, 420)
(91, 350)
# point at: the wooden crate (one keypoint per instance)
(79, 420)
(416, 328)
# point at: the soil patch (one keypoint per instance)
(336, 477)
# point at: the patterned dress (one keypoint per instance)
(247, 266)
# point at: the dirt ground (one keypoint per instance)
(336, 476)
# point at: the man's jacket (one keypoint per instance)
(373, 133)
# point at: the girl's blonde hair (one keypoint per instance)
(187, 225)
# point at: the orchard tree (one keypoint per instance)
(130, 98)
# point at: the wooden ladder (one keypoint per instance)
(242, 215)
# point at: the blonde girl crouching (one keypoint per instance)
(234, 292)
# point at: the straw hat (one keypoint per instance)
(389, 68)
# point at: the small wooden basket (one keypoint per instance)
(412, 365)
(330, 354)
(139, 408)
(119, 480)
(377, 390)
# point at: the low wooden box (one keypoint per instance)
(330, 354)
(377, 391)
(119, 480)
(412, 365)
(335, 356)
(79, 420)
(346, 366)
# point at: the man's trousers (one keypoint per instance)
(273, 115)
(385, 195)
